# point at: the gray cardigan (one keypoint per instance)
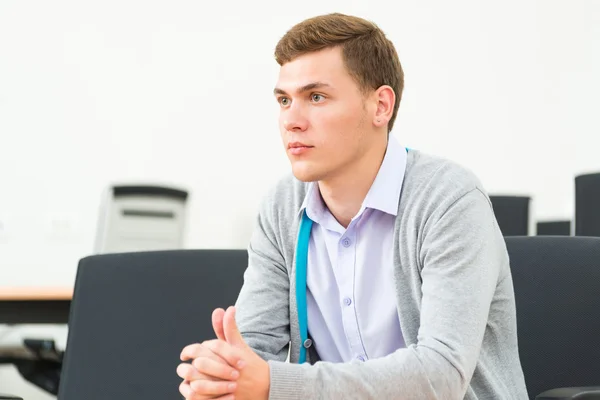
(454, 295)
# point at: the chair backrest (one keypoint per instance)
(554, 228)
(141, 218)
(587, 205)
(512, 214)
(557, 293)
(132, 314)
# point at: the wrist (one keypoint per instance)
(266, 382)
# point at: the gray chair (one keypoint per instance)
(556, 281)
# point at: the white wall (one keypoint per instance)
(180, 92)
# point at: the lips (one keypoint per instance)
(295, 145)
(298, 148)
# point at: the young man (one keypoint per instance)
(382, 270)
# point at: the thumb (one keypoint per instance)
(232, 334)
(217, 323)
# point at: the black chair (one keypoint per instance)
(119, 312)
(512, 214)
(133, 313)
(554, 228)
(556, 282)
(587, 205)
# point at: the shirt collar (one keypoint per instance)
(313, 203)
(384, 194)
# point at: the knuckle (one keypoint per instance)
(216, 358)
(189, 374)
(200, 386)
(207, 377)
(215, 345)
(200, 363)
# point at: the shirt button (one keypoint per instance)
(346, 242)
(360, 358)
(307, 343)
(347, 301)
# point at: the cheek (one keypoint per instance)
(341, 115)
(281, 126)
(335, 124)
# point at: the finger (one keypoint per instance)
(212, 388)
(196, 350)
(201, 351)
(191, 351)
(232, 333)
(214, 369)
(217, 323)
(186, 390)
(187, 372)
(232, 355)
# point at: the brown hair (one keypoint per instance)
(369, 56)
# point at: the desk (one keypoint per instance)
(35, 305)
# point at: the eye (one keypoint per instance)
(317, 98)
(284, 101)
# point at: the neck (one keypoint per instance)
(345, 192)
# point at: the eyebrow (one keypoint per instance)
(305, 88)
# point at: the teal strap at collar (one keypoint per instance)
(301, 265)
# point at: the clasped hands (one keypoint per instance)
(225, 368)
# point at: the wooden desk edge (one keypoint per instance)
(35, 293)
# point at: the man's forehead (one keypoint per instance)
(317, 78)
(324, 66)
(302, 76)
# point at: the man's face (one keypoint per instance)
(324, 118)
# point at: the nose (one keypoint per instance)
(294, 120)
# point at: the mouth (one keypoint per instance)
(297, 148)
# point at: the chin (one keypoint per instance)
(305, 177)
(305, 174)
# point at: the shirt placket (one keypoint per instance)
(345, 269)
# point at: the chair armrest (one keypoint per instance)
(37, 361)
(9, 397)
(571, 393)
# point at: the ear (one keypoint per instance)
(385, 99)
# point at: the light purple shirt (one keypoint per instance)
(351, 296)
